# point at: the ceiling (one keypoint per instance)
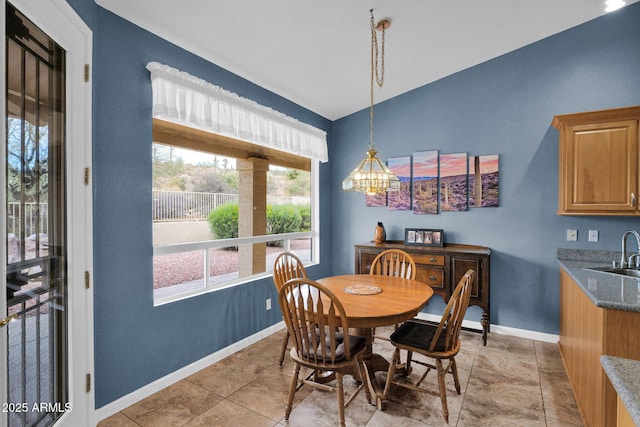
(317, 54)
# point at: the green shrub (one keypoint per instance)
(223, 221)
(283, 219)
(305, 213)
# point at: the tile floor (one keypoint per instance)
(510, 382)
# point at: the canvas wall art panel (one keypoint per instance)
(425, 182)
(483, 181)
(400, 200)
(453, 182)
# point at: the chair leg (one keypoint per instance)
(443, 389)
(392, 370)
(407, 368)
(284, 348)
(454, 372)
(365, 380)
(340, 393)
(292, 391)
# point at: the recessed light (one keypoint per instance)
(611, 5)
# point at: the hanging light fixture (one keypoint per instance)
(372, 176)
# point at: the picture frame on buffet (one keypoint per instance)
(423, 237)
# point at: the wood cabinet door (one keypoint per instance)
(460, 263)
(364, 260)
(599, 168)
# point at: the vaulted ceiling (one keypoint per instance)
(317, 54)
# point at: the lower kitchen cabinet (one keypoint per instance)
(441, 268)
(586, 333)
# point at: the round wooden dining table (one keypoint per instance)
(372, 301)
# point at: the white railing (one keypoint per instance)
(35, 218)
(208, 281)
(195, 206)
(187, 206)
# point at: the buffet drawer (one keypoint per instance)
(432, 277)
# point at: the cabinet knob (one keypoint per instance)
(432, 278)
(433, 259)
(633, 199)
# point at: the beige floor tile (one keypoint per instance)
(482, 411)
(118, 420)
(273, 384)
(506, 363)
(472, 338)
(320, 409)
(227, 376)
(496, 386)
(173, 406)
(560, 404)
(427, 406)
(557, 378)
(423, 407)
(266, 352)
(548, 356)
(557, 423)
(229, 414)
(512, 343)
(387, 419)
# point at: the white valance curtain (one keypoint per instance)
(182, 98)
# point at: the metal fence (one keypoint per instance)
(187, 206)
(35, 217)
(167, 206)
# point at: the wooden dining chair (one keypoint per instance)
(286, 266)
(319, 329)
(435, 341)
(393, 262)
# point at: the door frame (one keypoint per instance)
(61, 23)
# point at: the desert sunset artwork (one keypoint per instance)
(401, 167)
(453, 182)
(483, 181)
(425, 182)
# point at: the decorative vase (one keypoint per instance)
(380, 235)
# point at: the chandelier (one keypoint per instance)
(371, 176)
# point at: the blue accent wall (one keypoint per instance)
(504, 106)
(135, 342)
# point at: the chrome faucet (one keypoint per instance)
(627, 262)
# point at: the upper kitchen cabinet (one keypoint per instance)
(598, 162)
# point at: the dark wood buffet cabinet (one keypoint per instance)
(441, 268)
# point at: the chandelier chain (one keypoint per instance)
(377, 69)
(372, 176)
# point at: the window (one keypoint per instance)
(265, 146)
(196, 211)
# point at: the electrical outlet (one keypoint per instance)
(572, 235)
(593, 235)
(268, 303)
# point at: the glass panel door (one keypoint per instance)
(36, 229)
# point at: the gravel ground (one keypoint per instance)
(169, 270)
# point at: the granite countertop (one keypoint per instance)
(623, 374)
(606, 290)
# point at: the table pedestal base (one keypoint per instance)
(374, 363)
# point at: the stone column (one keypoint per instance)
(252, 216)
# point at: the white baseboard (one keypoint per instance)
(182, 373)
(497, 329)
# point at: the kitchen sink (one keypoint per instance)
(631, 272)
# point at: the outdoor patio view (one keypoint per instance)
(196, 207)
